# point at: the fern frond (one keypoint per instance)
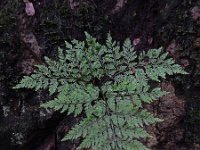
(109, 85)
(158, 65)
(72, 98)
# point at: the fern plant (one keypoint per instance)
(108, 85)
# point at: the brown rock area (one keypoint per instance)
(171, 109)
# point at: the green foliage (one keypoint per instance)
(109, 85)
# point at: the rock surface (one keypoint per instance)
(154, 23)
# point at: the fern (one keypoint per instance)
(109, 85)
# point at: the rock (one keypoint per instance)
(27, 65)
(195, 13)
(196, 42)
(119, 5)
(184, 62)
(171, 109)
(48, 144)
(30, 10)
(73, 4)
(172, 48)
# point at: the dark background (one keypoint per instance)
(24, 40)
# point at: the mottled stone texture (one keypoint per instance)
(171, 109)
(29, 32)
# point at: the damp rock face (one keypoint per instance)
(154, 23)
(171, 109)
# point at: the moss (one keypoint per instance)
(192, 121)
(8, 12)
